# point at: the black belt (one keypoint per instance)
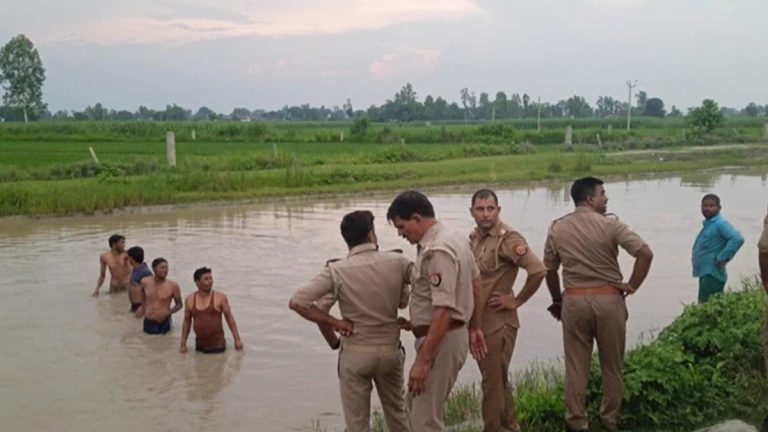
(421, 331)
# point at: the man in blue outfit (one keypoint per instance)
(715, 246)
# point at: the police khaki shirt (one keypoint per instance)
(762, 245)
(442, 276)
(586, 243)
(369, 286)
(500, 252)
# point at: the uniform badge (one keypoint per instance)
(521, 249)
(435, 279)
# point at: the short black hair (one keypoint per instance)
(200, 272)
(137, 253)
(115, 238)
(157, 261)
(711, 197)
(583, 188)
(356, 226)
(483, 194)
(408, 204)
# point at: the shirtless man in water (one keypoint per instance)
(119, 269)
(157, 293)
(205, 309)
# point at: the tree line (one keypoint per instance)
(22, 75)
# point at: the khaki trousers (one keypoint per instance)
(426, 410)
(589, 318)
(499, 412)
(358, 371)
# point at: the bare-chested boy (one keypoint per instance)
(204, 310)
(157, 295)
(117, 261)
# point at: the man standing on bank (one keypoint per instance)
(500, 252)
(444, 289)
(157, 293)
(717, 244)
(370, 286)
(204, 309)
(116, 260)
(586, 243)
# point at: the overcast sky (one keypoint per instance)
(268, 53)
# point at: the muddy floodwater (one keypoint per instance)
(70, 362)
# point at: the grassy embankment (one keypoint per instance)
(705, 367)
(45, 168)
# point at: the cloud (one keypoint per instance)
(165, 22)
(405, 62)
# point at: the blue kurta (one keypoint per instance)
(717, 241)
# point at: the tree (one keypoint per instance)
(607, 106)
(706, 117)
(654, 107)
(641, 98)
(359, 129)
(465, 101)
(241, 114)
(204, 113)
(501, 105)
(22, 75)
(484, 106)
(96, 112)
(348, 110)
(577, 106)
(674, 112)
(751, 110)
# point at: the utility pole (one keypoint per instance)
(630, 85)
(538, 119)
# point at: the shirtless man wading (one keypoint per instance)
(157, 295)
(119, 269)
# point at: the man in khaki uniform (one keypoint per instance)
(370, 286)
(586, 243)
(500, 252)
(762, 247)
(443, 298)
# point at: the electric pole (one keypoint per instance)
(630, 85)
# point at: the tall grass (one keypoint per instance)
(110, 187)
(705, 367)
(520, 130)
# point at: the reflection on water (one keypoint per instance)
(70, 362)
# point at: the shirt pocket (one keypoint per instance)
(489, 261)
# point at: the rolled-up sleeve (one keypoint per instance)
(318, 291)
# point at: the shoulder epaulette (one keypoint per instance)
(396, 251)
(613, 216)
(331, 261)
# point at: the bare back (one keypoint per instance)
(159, 295)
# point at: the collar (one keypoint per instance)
(497, 230)
(584, 209)
(714, 219)
(430, 234)
(362, 248)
